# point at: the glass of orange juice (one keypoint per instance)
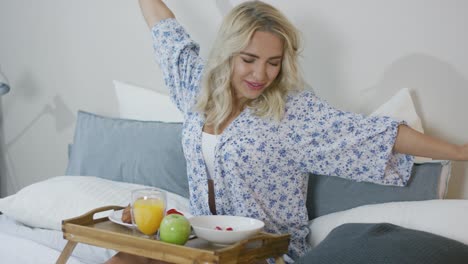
(147, 209)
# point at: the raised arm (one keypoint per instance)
(175, 52)
(410, 141)
(154, 10)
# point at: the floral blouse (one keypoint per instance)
(262, 165)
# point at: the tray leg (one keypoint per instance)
(279, 260)
(66, 252)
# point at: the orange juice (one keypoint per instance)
(148, 214)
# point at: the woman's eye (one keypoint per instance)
(274, 64)
(247, 60)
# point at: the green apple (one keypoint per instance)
(174, 229)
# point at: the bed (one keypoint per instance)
(23, 244)
(109, 157)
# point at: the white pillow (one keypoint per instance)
(401, 107)
(144, 104)
(446, 218)
(45, 204)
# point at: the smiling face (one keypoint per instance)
(256, 66)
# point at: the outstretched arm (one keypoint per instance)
(154, 10)
(410, 141)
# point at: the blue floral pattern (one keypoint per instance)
(261, 165)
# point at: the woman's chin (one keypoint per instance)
(253, 94)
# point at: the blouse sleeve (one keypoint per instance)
(179, 60)
(328, 141)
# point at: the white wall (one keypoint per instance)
(61, 56)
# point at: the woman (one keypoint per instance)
(251, 135)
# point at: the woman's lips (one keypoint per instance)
(255, 86)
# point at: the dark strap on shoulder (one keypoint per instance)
(211, 197)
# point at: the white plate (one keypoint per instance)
(116, 217)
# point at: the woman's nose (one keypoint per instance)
(259, 73)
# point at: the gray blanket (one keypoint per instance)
(385, 243)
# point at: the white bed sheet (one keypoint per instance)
(17, 250)
(20, 244)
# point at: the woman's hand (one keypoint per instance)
(126, 216)
(464, 152)
(154, 10)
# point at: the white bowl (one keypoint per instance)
(243, 227)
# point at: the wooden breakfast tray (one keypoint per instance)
(103, 233)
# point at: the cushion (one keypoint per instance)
(360, 243)
(144, 104)
(46, 203)
(141, 152)
(401, 107)
(328, 194)
(446, 218)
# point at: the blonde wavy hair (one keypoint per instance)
(216, 98)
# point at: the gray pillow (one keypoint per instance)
(327, 194)
(385, 243)
(150, 153)
(142, 152)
